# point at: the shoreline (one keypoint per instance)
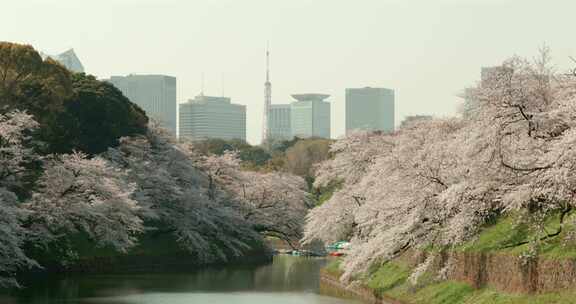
(330, 285)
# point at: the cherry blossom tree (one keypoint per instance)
(12, 238)
(438, 181)
(77, 194)
(15, 150)
(14, 154)
(182, 198)
(273, 203)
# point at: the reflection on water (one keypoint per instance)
(223, 298)
(288, 280)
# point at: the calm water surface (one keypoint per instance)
(289, 280)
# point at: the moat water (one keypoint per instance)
(288, 280)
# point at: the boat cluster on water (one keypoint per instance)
(340, 248)
(337, 249)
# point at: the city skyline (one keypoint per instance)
(215, 117)
(376, 46)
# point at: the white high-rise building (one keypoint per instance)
(279, 120)
(310, 116)
(155, 94)
(207, 117)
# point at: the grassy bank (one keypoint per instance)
(508, 235)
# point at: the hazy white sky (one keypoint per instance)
(428, 51)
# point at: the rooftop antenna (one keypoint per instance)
(222, 83)
(202, 85)
(267, 61)
(267, 98)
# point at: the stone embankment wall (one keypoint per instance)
(506, 273)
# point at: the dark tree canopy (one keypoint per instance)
(256, 156)
(280, 146)
(218, 146)
(304, 154)
(75, 111)
(96, 116)
(29, 83)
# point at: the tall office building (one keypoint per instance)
(212, 117)
(279, 122)
(370, 109)
(310, 116)
(67, 59)
(155, 94)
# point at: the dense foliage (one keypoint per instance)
(436, 182)
(296, 156)
(13, 154)
(95, 117)
(304, 154)
(177, 197)
(75, 111)
(80, 166)
(275, 203)
(29, 83)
